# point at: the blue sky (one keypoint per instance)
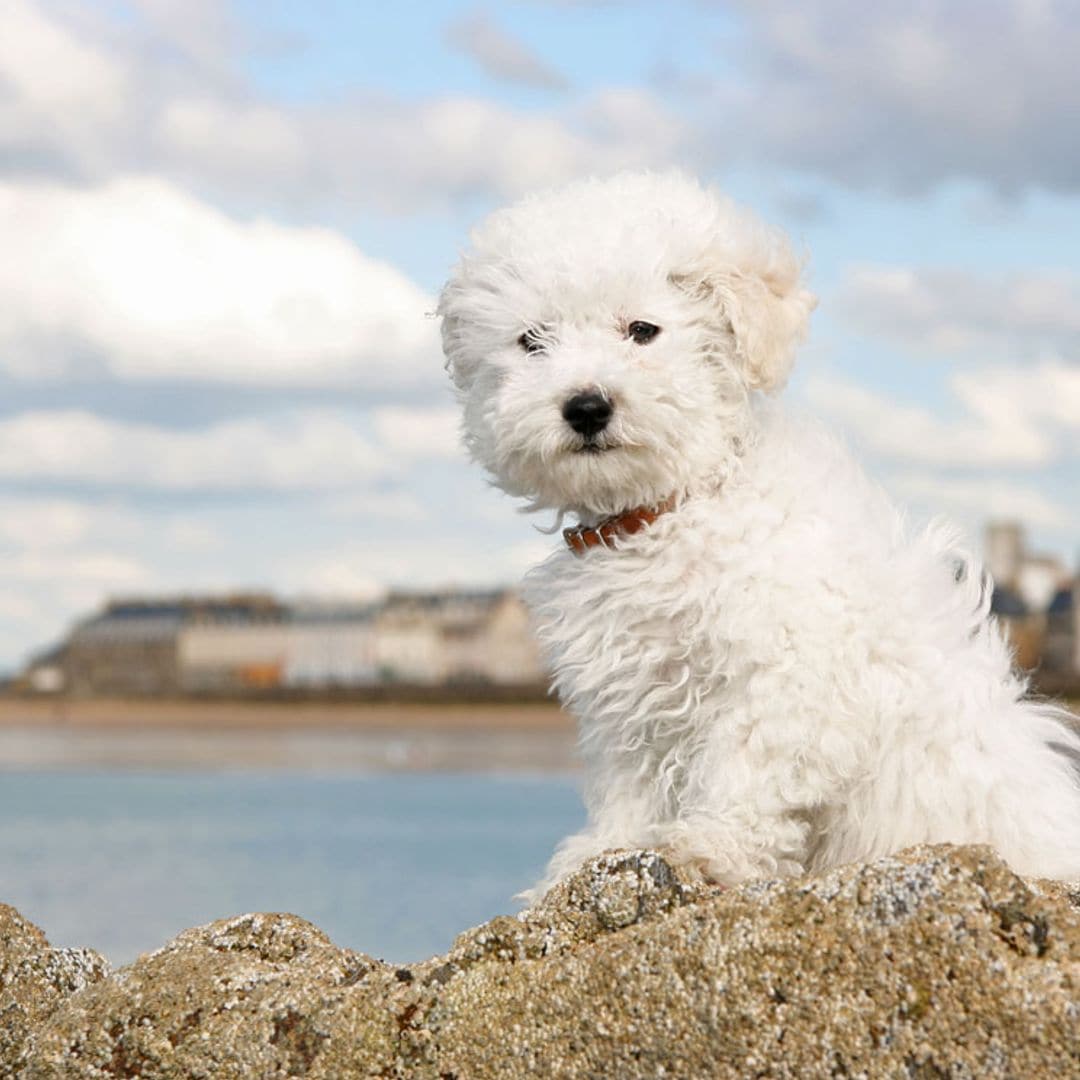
(225, 223)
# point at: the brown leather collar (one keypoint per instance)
(582, 537)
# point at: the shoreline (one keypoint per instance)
(176, 750)
(130, 714)
(38, 735)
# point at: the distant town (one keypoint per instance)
(444, 643)
(1037, 599)
(464, 642)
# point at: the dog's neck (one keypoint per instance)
(605, 533)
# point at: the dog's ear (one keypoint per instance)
(763, 309)
(473, 321)
(453, 350)
(452, 326)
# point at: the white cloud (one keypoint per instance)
(293, 452)
(340, 576)
(949, 311)
(909, 95)
(63, 99)
(53, 523)
(398, 154)
(903, 432)
(237, 140)
(984, 498)
(17, 606)
(413, 562)
(58, 558)
(406, 154)
(439, 150)
(203, 31)
(1004, 449)
(184, 534)
(95, 569)
(417, 432)
(368, 506)
(150, 283)
(501, 55)
(1023, 417)
(99, 101)
(49, 68)
(902, 97)
(1045, 395)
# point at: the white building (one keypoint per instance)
(330, 648)
(456, 637)
(222, 654)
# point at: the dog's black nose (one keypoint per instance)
(588, 414)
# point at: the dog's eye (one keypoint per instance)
(531, 341)
(642, 332)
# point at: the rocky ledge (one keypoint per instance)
(938, 962)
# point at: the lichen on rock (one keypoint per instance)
(935, 962)
(34, 979)
(255, 996)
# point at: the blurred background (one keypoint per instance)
(258, 634)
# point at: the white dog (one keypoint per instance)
(770, 675)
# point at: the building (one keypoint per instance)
(496, 645)
(1024, 628)
(45, 673)
(331, 647)
(1004, 552)
(408, 647)
(230, 643)
(255, 642)
(456, 637)
(1061, 648)
(1037, 601)
(129, 648)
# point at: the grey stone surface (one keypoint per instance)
(938, 962)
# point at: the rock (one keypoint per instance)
(938, 962)
(254, 996)
(34, 979)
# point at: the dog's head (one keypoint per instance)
(605, 339)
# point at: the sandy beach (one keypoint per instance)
(278, 715)
(64, 734)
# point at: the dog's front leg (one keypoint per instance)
(721, 845)
(737, 844)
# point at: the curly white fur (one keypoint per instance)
(776, 676)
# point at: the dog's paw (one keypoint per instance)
(710, 857)
(693, 869)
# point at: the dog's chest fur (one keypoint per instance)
(672, 647)
(635, 640)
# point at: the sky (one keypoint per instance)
(223, 228)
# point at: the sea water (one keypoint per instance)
(393, 865)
